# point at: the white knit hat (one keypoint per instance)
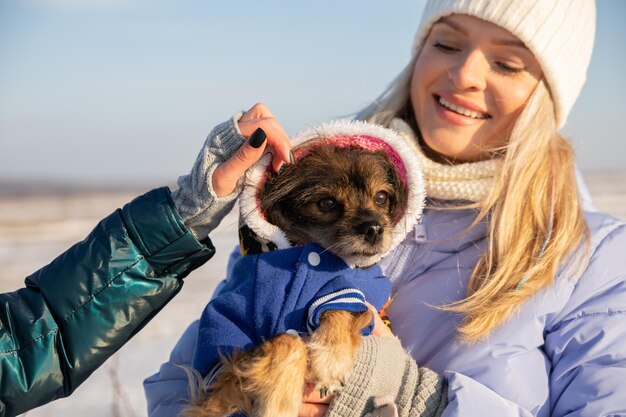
(559, 33)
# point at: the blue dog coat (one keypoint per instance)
(288, 289)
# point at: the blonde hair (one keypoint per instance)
(536, 224)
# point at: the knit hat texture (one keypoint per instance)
(559, 33)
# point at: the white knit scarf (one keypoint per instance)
(469, 181)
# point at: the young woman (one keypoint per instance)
(510, 289)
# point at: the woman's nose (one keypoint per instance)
(470, 71)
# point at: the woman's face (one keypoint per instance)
(470, 81)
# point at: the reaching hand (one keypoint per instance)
(264, 134)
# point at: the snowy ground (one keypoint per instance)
(35, 229)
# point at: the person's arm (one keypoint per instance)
(386, 382)
(196, 201)
(81, 308)
(587, 343)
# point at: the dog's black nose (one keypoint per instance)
(371, 231)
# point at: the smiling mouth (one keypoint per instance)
(461, 110)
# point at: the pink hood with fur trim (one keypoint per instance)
(364, 135)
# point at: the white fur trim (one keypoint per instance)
(249, 211)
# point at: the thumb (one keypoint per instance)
(226, 176)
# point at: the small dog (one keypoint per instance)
(346, 199)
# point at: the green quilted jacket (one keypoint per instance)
(77, 311)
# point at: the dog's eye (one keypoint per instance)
(381, 198)
(327, 204)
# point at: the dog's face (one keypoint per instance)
(344, 199)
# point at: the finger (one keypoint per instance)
(226, 176)
(312, 410)
(380, 328)
(277, 140)
(313, 404)
(260, 115)
(248, 153)
(311, 395)
(258, 111)
(281, 150)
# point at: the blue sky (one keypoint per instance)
(125, 91)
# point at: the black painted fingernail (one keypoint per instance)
(257, 138)
(281, 169)
(292, 158)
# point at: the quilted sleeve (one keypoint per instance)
(81, 308)
(587, 346)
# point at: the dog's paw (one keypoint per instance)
(329, 368)
(324, 390)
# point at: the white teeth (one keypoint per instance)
(461, 110)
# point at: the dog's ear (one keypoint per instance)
(278, 217)
(399, 197)
(278, 192)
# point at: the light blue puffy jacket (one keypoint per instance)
(562, 354)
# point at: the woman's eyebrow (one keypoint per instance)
(453, 25)
(509, 42)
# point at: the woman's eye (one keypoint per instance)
(381, 198)
(327, 204)
(508, 68)
(445, 48)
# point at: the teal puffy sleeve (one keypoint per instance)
(81, 308)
